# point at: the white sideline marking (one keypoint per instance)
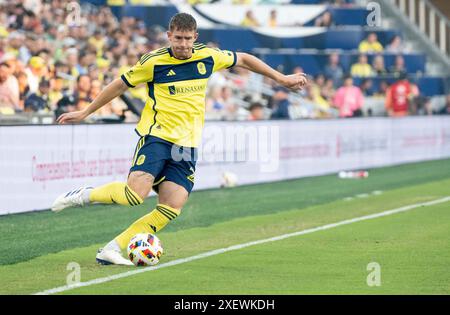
(240, 246)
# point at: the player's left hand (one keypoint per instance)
(295, 81)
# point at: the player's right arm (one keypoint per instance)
(111, 91)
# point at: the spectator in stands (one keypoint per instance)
(38, 102)
(399, 96)
(281, 103)
(231, 108)
(16, 47)
(349, 99)
(72, 60)
(366, 87)
(316, 91)
(328, 90)
(98, 42)
(325, 20)
(249, 20)
(62, 70)
(399, 68)
(86, 59)
(396, 46)
(382, 89)
(256, 111)
(94, 73)
(83, 91)
(334, 70)
(371, 44)
(242, 79)
(215, 102)
(378, 66)
(272, 22)
(56, 91)
(96, 88)
(361, 68)
(422, 106)
(9, 89)
(35, 71)
(320, 93)
(446, 109)
(298, 69)
(68, 103)
(24, 89)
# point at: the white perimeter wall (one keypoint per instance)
(39, 162)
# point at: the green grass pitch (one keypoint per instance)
(411, 248)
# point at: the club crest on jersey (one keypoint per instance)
(201, 68)
(140, 160)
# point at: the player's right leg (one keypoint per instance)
(115, 192)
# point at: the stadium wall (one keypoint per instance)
(39, 162)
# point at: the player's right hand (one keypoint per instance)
(72, 117)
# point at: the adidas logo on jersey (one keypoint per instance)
(171, 73)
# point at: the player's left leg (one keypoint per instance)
(171, 199)
(173, 186)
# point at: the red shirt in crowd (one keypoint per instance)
(397, 98)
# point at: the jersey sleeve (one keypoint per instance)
(223, 59)
(141, 72)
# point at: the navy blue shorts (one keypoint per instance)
(165, 161)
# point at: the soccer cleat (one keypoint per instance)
(73, 198)
(111, 257)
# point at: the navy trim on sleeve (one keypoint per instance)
(126, 81)
(234, 62)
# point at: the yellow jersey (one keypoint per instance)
(176, 89)
(361, 70)
(366, 47)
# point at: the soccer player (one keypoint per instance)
(170, 128)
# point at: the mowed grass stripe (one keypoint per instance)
(50, 271)
(46, 232)
(329, 262)
(241, 246)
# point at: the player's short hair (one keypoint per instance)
(182, 22)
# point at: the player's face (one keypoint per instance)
(181, 43)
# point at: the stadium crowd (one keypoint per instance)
(52, 61)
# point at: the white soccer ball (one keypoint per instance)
(145, 249)
(229, 179)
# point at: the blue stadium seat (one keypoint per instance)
(314, 62)
(346, 16)
(247, 39)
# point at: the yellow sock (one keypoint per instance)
(115, 192)
(149, 223)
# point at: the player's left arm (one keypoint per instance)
(294, 81)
